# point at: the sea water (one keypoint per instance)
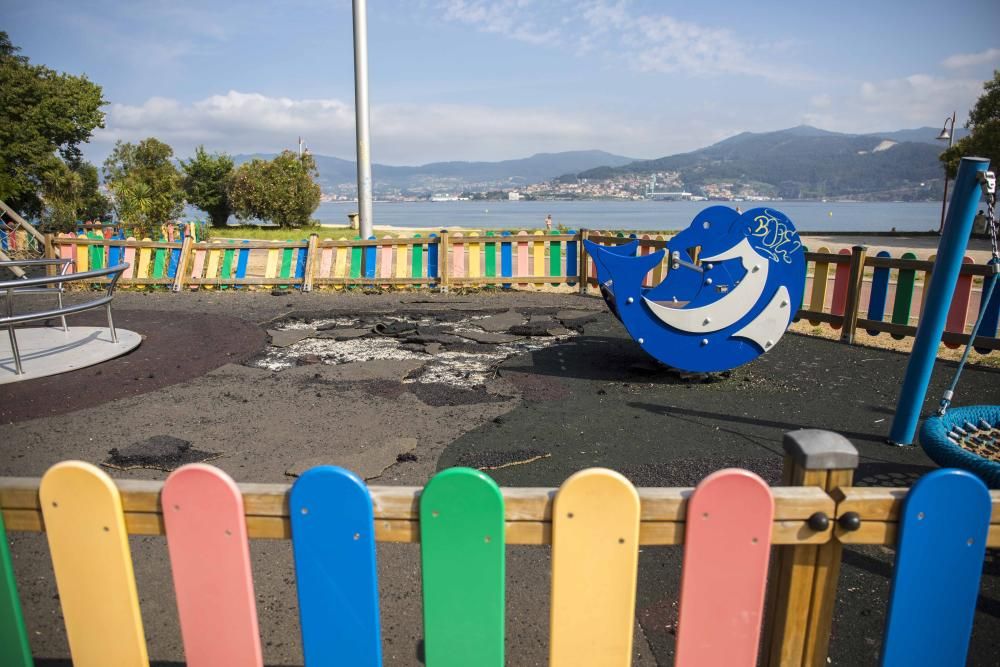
(808, 216)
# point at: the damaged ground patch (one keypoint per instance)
(159, 452)
(461, 353)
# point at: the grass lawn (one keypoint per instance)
(298, 233)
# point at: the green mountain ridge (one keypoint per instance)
(334, 171)
(804, 162)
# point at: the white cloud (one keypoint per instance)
(502, 17)
(822, 101)
(918, 98)
(401, 133)
(912, 101)
(960, 60)
(626, 37)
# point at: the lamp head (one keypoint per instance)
(945, 132)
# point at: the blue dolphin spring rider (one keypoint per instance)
(734, 283)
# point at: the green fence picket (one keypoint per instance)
(356, 260)
(491, 257)
(462, 558)
(14, 648)
(417, 259)
(555, 257)
(96, 252)
(904, 296)
(227, 264)
(286, 264)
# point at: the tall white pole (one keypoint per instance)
(361, 116)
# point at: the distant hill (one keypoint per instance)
(806, 162)
(540, 167)
(927, 135)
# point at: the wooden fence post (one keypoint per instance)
(584, 262)
(803, 582)
(444, 268)
(312, 252)
(182, 264)
(50, 253)
(854, 285)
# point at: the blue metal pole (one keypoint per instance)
(954, 240)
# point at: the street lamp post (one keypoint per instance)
(949, 136)
(361, 116)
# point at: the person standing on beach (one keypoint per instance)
(548, 222)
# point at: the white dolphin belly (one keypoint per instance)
(730, 308)
(770, 325)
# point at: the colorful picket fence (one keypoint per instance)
(846, 290)
(438, 260)
(595, 523)
(888, 302)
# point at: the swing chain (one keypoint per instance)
(988, 181)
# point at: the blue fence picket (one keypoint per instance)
(880, 289)
(370, 259)
(174, 260)
(241, 263)
(991, 318)
(300, 261)
(935, 582)
(572, 265)
(116, 253)
(333, 540)
(506, 259)
(432, 257)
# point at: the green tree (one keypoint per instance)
(145, 183)
(42, 113)
(93, 204)
(984, 123)
(282, 191)
(70, 194)
(206, 182)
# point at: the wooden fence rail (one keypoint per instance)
(595, 523)
(849, 291)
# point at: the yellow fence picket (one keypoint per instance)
(402, 267)
(145, 260)
(821, 278)
(538, 256)
(473, 249)
(595, 561)
(93, 567)
(212, 267)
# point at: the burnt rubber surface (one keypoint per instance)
(176, 346)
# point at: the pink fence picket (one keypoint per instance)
(210, 560)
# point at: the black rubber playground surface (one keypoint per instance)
(597, 402)
(593, 400)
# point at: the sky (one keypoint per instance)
(505, 79)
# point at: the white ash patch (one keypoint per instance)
(335, 352)
(457, 368)
(314, 324)
(465, 369)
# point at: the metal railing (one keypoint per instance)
(11, 288)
